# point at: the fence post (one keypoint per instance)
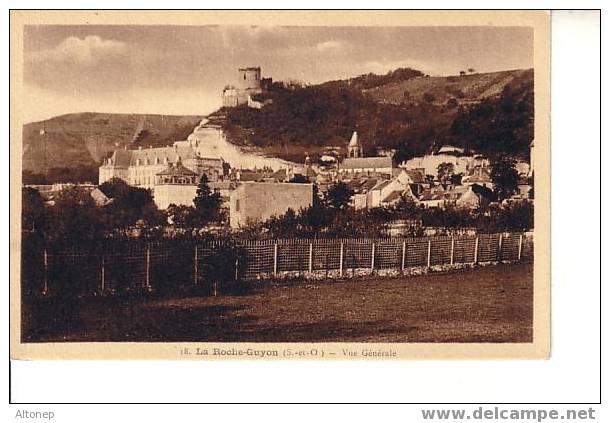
(103, 276)
(476, 249)
(311, 257)
(275, 259)
(404, 253)
(500, 248)
(148, 267)
(429, 251)
(45, 261)
(195, 266)
(373, 257)
(452, 250)
(520, 247)
(341, 260)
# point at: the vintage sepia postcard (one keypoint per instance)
(283, 185)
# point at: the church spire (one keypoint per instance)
(354, 148)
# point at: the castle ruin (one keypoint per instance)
(249, 83)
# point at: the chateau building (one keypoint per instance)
(139, 167)
(175, 185)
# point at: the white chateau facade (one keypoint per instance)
(145, 167)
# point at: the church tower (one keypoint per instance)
(354, 148)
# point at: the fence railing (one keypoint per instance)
(130, 265)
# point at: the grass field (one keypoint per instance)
(485, 304)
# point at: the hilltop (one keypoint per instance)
(403, 110)
(465, 89)
(73, 145)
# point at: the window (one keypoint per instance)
(236, 205)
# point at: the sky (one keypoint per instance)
(182, 69)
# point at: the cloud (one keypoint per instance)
(329, 45)
(253, 37)
(40, 103)
(86, 51)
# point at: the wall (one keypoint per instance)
(259, 201)
(167, 194)
(108, 172)
(234, 97)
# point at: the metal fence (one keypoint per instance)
(133, 265)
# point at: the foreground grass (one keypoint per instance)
(486, 304)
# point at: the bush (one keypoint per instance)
(223, 266)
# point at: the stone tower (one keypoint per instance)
(249, 78)
(354, 148)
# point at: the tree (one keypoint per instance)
(499, 125)
(180, 216)
(429, 97)
(299, 179)
(452, 103)
(445, 172)
(471, 70)
(462, 73)
(406, 208)
(504, 176)
(456, 179)
(207, 204)
(130, 205)
(338, 196)
(32, 210)
(75, 216)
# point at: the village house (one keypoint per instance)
(430, 163)
(431, 199)
(475, 197)
(254, 202)
(361, 186)
(468, 196)
(523, 189)
(380, 191)
(389, 192)
(480, 176)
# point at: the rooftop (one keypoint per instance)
(366, 163)
(176, 170)
(159, 155)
